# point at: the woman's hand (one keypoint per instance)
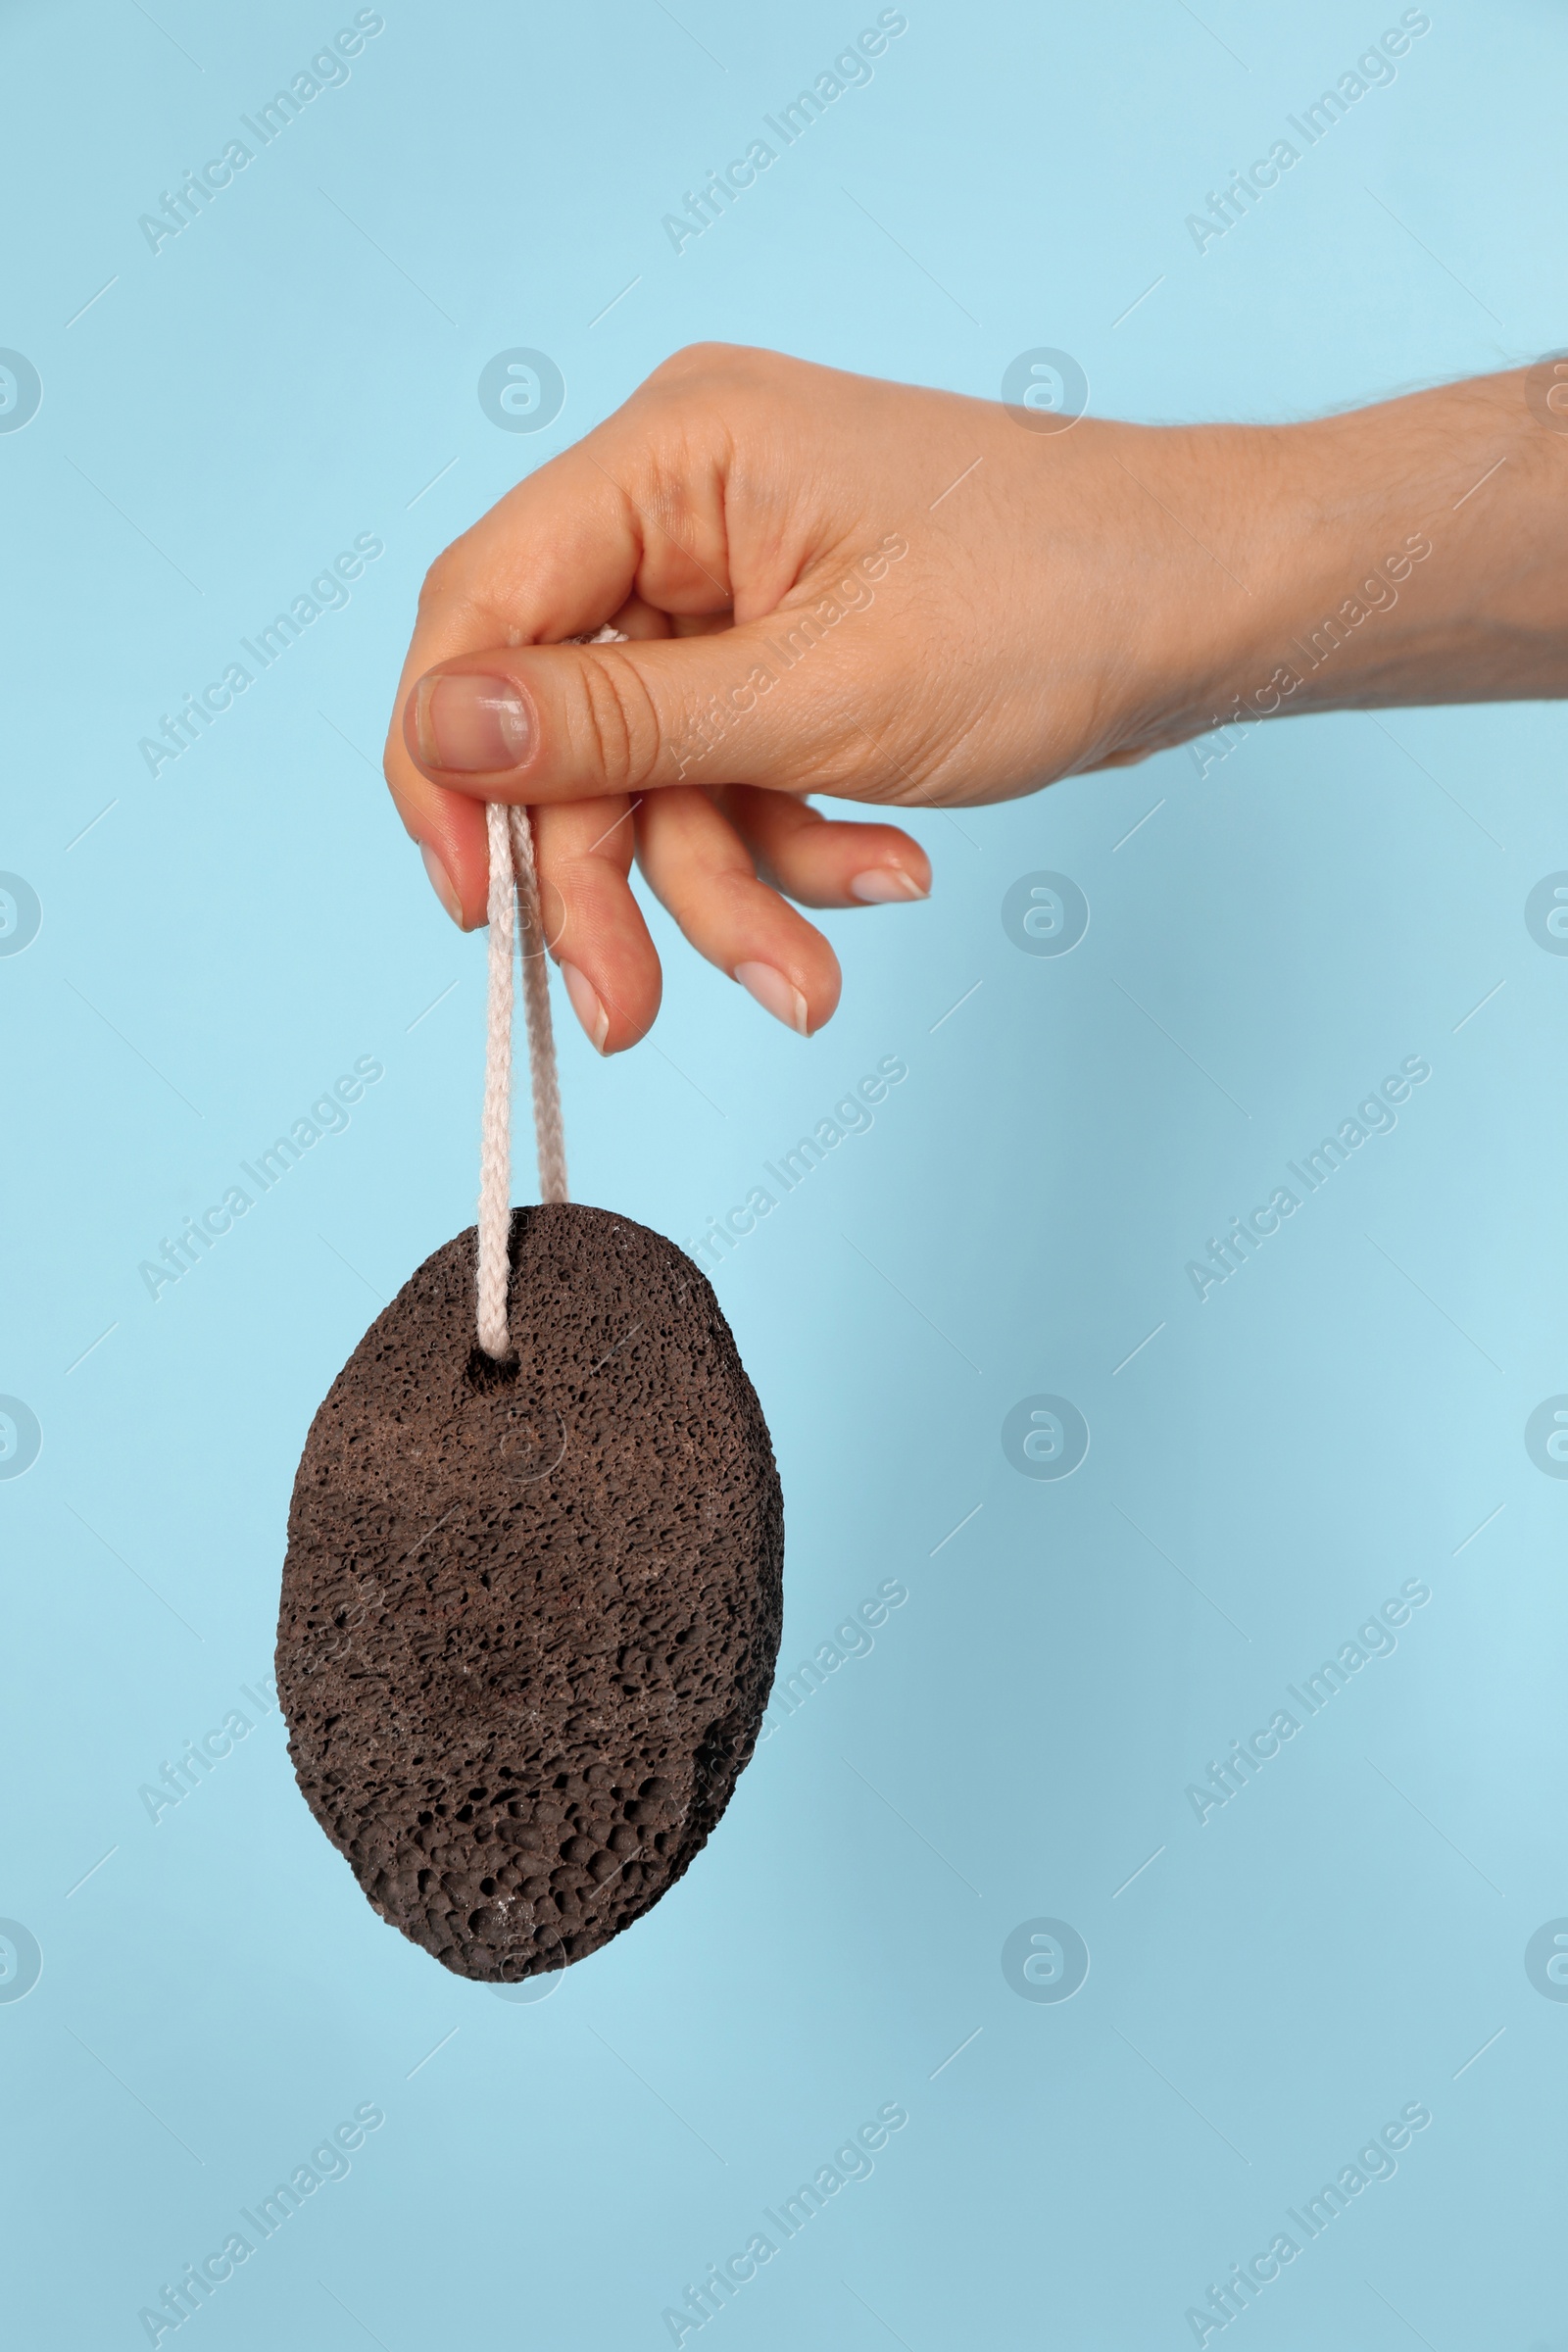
(912, 599)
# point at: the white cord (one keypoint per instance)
(514, 906)
(548, 1134)
(495, 1126)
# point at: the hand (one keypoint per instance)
(905, 597)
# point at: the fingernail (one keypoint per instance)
(775, 995)
(441, 883)
(883, 884)
(587, 1006)
(471, 726)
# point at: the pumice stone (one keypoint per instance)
(531, 1610)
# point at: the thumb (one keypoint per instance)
(763, 704)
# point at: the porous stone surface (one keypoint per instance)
(530, 1614)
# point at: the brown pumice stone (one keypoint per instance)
(531, 1612)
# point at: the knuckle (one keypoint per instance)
(438, 585)
(697, 359)
(722, 373)
(458, 585)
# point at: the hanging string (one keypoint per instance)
(495, 1126)
(549, 1135)
(514, 913)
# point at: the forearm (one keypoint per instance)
(1416, 552)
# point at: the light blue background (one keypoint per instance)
(219, 943)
